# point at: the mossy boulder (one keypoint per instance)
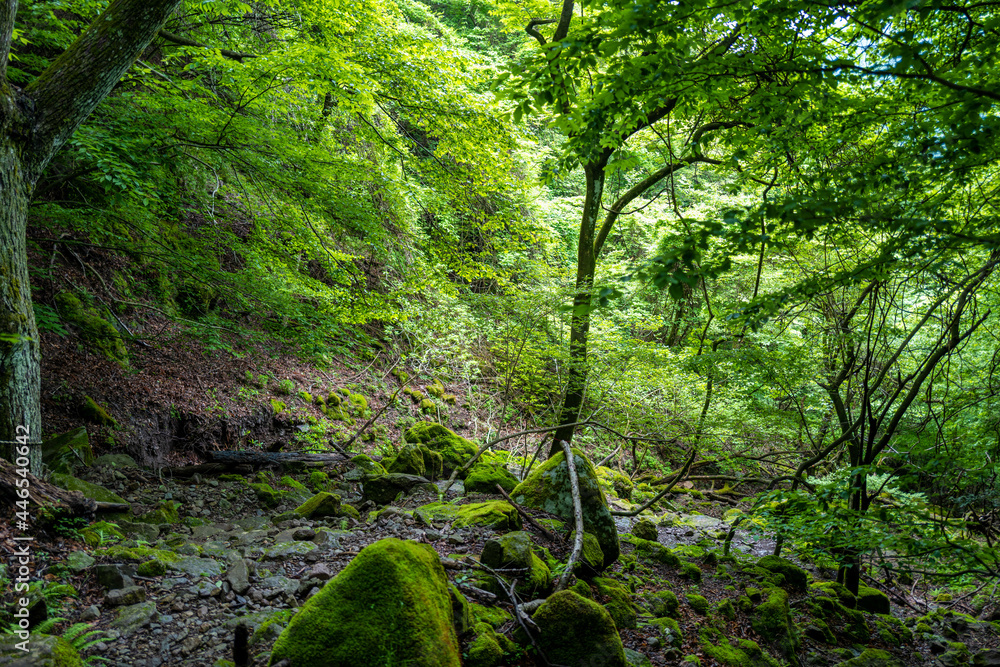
(662, 603)
(515, 551)
(97, 333)
(266, 494)
(795, 577)
(101, 532)
(615, 482)
(591, 561)
(383, 489)
(322, 504)
(837, 591)
(670, 630)
(454, 449)
(165, 512)
(618, 604)
(390, 604)
(734, 652)
(772, 620)
(497, 514)
(872, 657)
(653, 551)
(484, 477)
(88, 489)
(698, 603)
(62, 452)
(417, 460)
(364, 467)
(578, 632)
(645, 529)
(40, 651)
(873, 600)
(548, 488)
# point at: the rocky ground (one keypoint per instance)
(168, 583)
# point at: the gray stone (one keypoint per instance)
(286, 549)
(42, 651)
(195, 567)
(278, 585)
(238, 576)
(121, 597)
(131, 619)
(319, 571)
(116, 461)
(115, 575)
(147, 531)
(91, 613)
(78, 561)
(987, 658)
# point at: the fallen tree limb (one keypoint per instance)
(549, 535)
(40, 494)
(255, 458)
(577, 515)
(665, 491)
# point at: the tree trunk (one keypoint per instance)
(580, 323)
(20, 412)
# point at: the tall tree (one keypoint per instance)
(34, 123)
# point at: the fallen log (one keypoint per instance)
(256, 458)
(40, 495)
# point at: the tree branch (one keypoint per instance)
(531, 30)
(567, 15)
(72, 86)
(577, 515)
(184, 41)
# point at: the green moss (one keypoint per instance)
(277, 407)
(838, 591)
(416, 395)
(418, 460)
(495, 616)
(63, 452)
(618, 604)
(497, 514)
(455, 450)
(892, 631)
(92, 491)
(726, 610)
(576, 632)
(772, 619)
(318, 480)
(654, 551)
(305, 396)
(427, 406)
(96, 414)
(139, 554)
(645, 529)
(450, 399)
(388, 606)
(485, 650)
(819, 631)
(333, 400)
(165, 512)
(872, 657)
(615, 482)
(591, 559)
(266, 495)
(152, 568)
(670, 630)
(732, 652)
(662, 603)
(698, 603)
(691, 572)
(322, 504)
(873, 600)
(367, 467)
(401, 375)
(270, 626)
(484, 477)
(515, 551)
(795, 577)
(96, 332)
(548, 488)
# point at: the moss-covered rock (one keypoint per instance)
(618, 604)
(872, 657)
(795, 577)
(100, 533)
(266, 495)
(364, 467)
(383, 489)
(97, 333)
(691, 572)
(88, 489)
(484, 477)
(484, 650)
(662, 603)
(837, 591)
(322, 504)
(891, 630)
(318, 480)
(152, 568)
(653, 551)
(548, 488)
(390, 604)
(409, 460)
(591, 561)
(578, 632)
(455, 450)
(495, 616)
(62, 452)
(38, 650)
(697, 603)
(645, 529)
(497, 514)
(734, 652)
(873, 600)
(615, 482)
(515, 551)
(772, 620)
(670, 630)
(165, 512)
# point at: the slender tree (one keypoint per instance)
(34, 123)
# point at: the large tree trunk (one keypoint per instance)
(34, 124)
(20, 413)
(586, 266)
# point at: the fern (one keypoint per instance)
(81, 640)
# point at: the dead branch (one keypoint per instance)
(577, 515)
(40, 494)
(549, 535)
(665, 491)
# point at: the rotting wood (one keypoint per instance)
(41, 494)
